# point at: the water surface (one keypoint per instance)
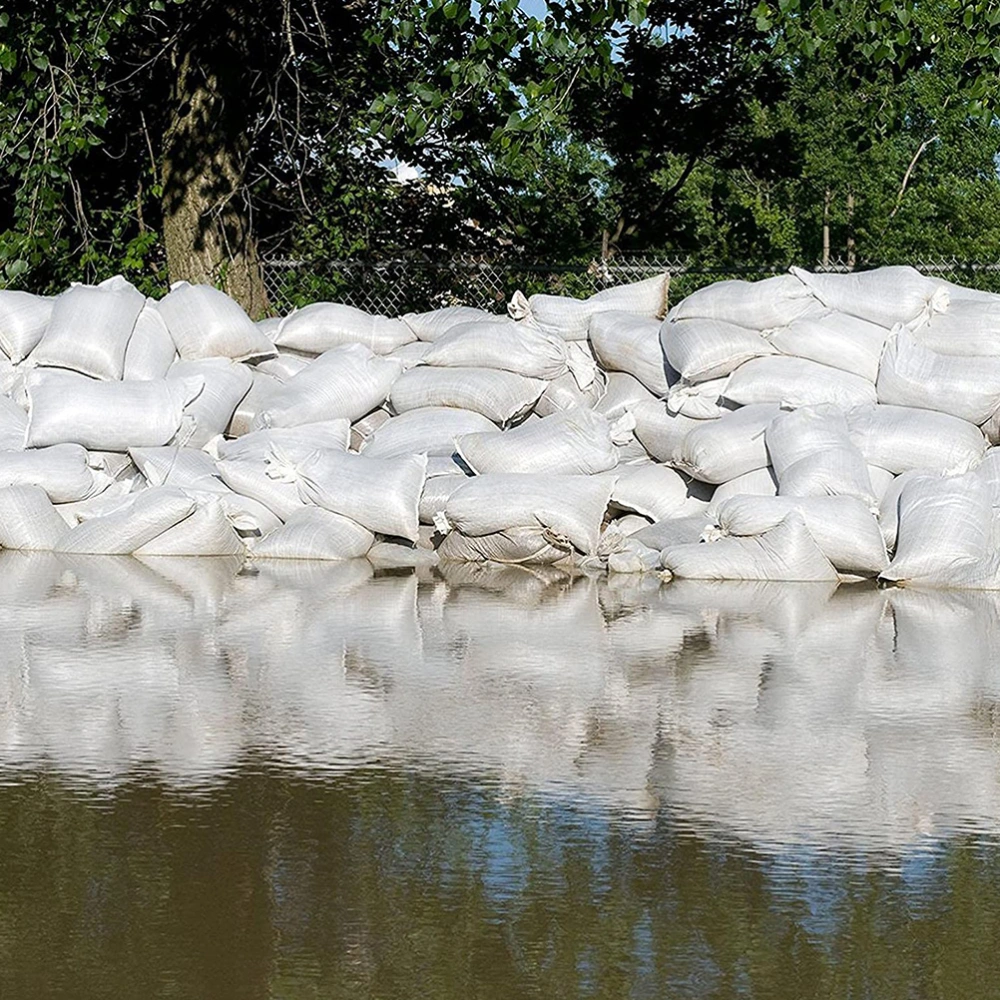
(305, 781)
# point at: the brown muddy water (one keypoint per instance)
(305, 782)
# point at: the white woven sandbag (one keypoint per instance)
(756, 305)
(401, 555)
(881, 480)
(250, 478)
(149, 514)
(431, 430)
(786, 553)
(346, 382)
(62, 471)
(257, 445)
(569, 318)
(530, 545)
(969, 327)
(315, 533)
(633, 557)
(700, 400)
(501, 396)
(885, 296)
(262, 387)
(410, 355)
(654, 490)
(845, 530)
(673, 531)
(899, 438)
(247, 516)
(571, 507)
(117, 465)
(183, 468)
(912, 375)
(511, 347)
(575, 442)
(284, 366)
(206, 531)
(324, 325)
(434, 495)
(269, 326)
(659, 431)
(383, 494)
(90, 328)
(944, 530)
(797, 382)
(626, 343)
(209, 413)
(835, 339)
(621, 393)
(812, 454)
(563, 393)
(13, 425)
(28, 521)
(23, 319)
(150, 351)
(106, 416)
(703, 349)
(115, 497)
(363, 430)
(207, 323)
(716, 451)
(888, 517)
(759, 483)
(989, 472)
(430, 326)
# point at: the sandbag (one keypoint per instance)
(842, 526)
(116, 497)
(575, 442)
(759, 483)
(28, 521)
(661, 432)
(912, 375)
(633, 557)
(209, 413)
(812, 455)
(626, 343)
(500, 396)
(700, 400)
(621, 392)
(206, 531)
(672, 531)
(383, 494)
(434, 496)
(324, 325)
(569, 318)
(944, 532)
(150, 513)
(885, 296)
(257, 445)
(835, 339)
(62, 471)
(13, 425)
(23, 319)
(269, 326)
(888, 517)
(106, 416)
(207, 323)
(716, 451)
(797, 382)
(363, 430)
(346, 381)
(757, 305)
(90, 328)
(251, 479)
(899, 438)
(785, 553)
(315, 533)
(257, 398)
(431, 326)
(655, 491)
(410, 355)
(401, 555)
(512, 347)
(529, 545)
(150, 351)
(571, 507)
(703, 349)
(430, 430)
(183, 468)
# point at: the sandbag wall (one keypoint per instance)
(805, 427)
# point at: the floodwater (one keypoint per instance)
(303, 781)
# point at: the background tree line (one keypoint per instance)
(174, 139)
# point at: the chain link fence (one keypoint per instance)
(395, 286)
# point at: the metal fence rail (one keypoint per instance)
(395, 286)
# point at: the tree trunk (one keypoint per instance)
(206, 226)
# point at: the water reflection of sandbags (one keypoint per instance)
(785, 713)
